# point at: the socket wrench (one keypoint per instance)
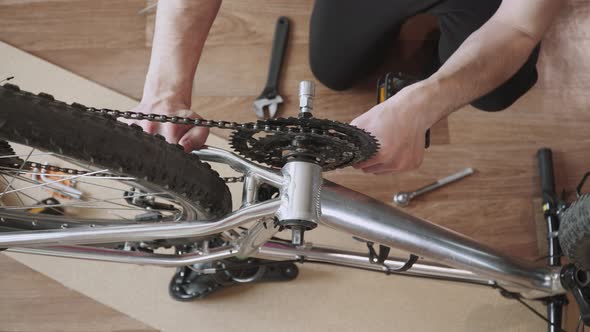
(403, 198)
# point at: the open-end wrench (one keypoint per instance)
(403, 198)
(269, 99)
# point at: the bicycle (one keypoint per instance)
(175, 200)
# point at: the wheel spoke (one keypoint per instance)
(100, 185)
(21, 167)
(26, 179)
(10, 186)
(86, 204)
(16, 171)
(78, 204)
(55, 181)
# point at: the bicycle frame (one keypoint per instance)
(457, 257)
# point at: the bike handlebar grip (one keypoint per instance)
(545, 159)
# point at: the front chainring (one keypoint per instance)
(327, 143)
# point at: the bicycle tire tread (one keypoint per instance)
(41, 121)
(574, 232)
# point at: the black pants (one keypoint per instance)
(349, 39)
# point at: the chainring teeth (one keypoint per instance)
(332, 144)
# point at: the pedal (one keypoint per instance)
(188, 283)
(577, 281)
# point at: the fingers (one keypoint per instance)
(391, 166)
(379, 168)
(375, 160)
(368, 163)
(194, 138)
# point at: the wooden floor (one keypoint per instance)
(107, 42)
(34, 302)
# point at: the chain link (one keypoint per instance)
(233, 179)
(260, 126)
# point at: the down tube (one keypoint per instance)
(363, 216)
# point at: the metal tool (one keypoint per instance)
(269, 99)
(403, 198)
(306, 94)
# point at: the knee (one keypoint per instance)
(493, 104)
(327, 70)
(507, 94)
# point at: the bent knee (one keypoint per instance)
(508, 93)
(495, 104)
(327, 70)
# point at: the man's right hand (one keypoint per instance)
(190, 137)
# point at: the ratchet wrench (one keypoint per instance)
(403, 198)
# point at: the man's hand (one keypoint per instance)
(486, 59)
(181, 29)
(399, 124)
(190, 137)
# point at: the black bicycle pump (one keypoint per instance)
(550, 208)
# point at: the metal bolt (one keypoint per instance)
(297, 235)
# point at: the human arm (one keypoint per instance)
(486, 59)
(181, 29)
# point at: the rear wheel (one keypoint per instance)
(574, 232)
(61, 166)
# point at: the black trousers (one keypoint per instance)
(349, 39)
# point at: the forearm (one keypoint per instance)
(181, 29)
(486, 59)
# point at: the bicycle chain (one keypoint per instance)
(324, 130)
(256, 126)
(330, 144)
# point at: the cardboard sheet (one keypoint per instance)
(323, 298)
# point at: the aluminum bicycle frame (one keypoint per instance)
(457, 257)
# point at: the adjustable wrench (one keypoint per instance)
(269, 99)
(403, 198)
